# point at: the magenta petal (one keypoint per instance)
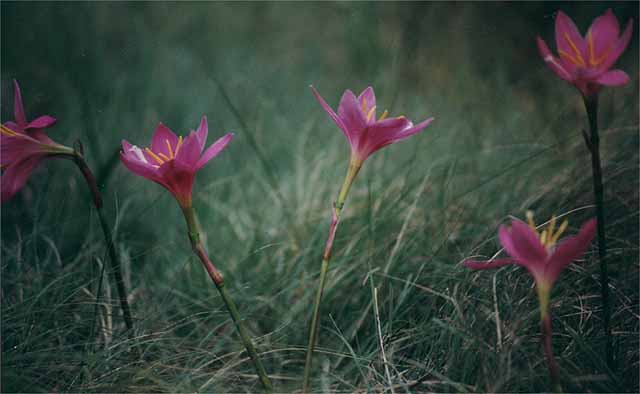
(213, 150)
(618, 47)
(483, 265)
(12, 125)
(551, 61)
(613, 78)
(369, 97)
(189, 152)
(351, 114)
(41, 122)
(526, 242)
(415, 129)
(15, 176)
(18, 109)
(567, 33)
(569, 250)
(603, 33)
(160, 138)
(138, 167)
(202, 132)
(331, 113)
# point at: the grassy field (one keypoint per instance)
(506, 139)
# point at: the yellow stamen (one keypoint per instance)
(155, 157)
(569, 57)
(170, 150)
(370, 114)
(557, 235)
(543, 237)
(552, 225)
(178, 146)
(164, 157)
(384, 115)
(575, 49)
(7, 131)
(530, 221)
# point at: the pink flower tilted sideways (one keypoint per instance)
(23, 145)
(586, 62)
(540, 253)
(172, 161)
(356, 117)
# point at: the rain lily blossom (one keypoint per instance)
(172, 161)
(366, 133)
(23, 145)
(545, 258)
(586, 61)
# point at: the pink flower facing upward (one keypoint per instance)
(544, 258)
(173, 161)
(585, 62)
(356, 118)
(23, 145)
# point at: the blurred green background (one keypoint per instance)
(506, 139)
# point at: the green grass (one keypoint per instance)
(506, 139)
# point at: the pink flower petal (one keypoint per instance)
(603, 34)
(351, 114)
(367, 100)
(213, 150)
(569, 250)
(15, 176)
(618, 47)
(202, 132)
(18, 109)
(160, 138)
(554, 64)
(613, 78)
(569, 39)
(138, 167)
(41, 122)
(483, 265)
(522, 244)
(331, 113)
(189, 152)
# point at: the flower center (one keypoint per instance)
(160, 157)
(372, 110)
(549, 236)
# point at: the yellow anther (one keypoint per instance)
(7, 131)
(570, 58)
(370, 114)
(178, 146)
(543, 237)
(552, 225)
(530, 221)
(164, 157)
(384, 115)
(575, 50)
(154, 156)
(557, 235)
(170, 150)
(364, 104)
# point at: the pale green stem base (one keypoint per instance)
(216, 277)
(354, 167)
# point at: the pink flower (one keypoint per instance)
(171, 161)
(539, 253)
(23, 145)
(585, 62)
(356, 118)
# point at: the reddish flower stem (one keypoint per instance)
(591, 105)
(354, 168)
(216, 277)
(554, 373)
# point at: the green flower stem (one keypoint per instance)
(354, 167)
(593, 144)
(216, 277)
(78, 158)
(544, 293)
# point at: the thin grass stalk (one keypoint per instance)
(593, 144)
(216, 277)
(324, 268)
(80, 161)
